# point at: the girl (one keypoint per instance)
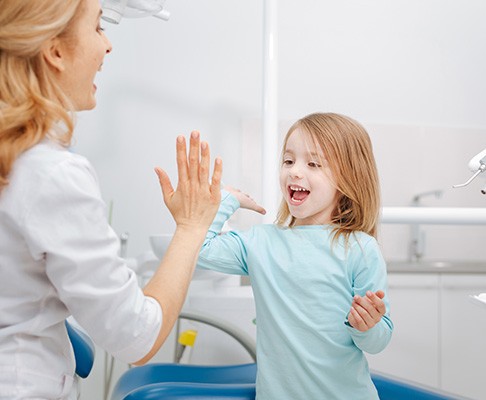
(318, 276)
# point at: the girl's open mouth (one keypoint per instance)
(297, 194)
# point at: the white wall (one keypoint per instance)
(413, 72)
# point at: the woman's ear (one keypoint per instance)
(54, 54)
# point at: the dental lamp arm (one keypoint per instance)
(114, 10)
(477, 165)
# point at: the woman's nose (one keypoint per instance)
(109, 46)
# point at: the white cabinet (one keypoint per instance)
(439, 338)
(413, 353)
(463, 336)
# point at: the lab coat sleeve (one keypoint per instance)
(370, 274)
(224, 252)
(67, 225)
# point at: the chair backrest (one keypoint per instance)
(84, 350)
(192, 391)
(393, 389)
(161, 380)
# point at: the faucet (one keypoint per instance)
(417, 235)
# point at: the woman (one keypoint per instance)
(58, 255)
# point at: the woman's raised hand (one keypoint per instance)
(196, 200)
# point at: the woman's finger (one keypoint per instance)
(194, 149)
(204, 165)
(181, 155)
(165, 184)
(215, 188)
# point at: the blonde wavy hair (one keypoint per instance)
(31, 102)
(348, 150)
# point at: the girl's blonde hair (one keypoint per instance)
(31, 102)
(348, 150)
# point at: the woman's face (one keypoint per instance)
(83, 55)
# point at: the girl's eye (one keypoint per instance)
(314, 165)
(288, 162)
(99, 28)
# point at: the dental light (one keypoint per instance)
(476, 165)
(114, 10)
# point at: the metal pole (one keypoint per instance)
(270, 150)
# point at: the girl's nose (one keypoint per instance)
(295, 171)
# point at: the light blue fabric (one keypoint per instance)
(303, 291)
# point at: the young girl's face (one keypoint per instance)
(306, 181)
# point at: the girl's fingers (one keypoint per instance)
(367, 311)
(356, 320)
(259, 209)
(376, 300)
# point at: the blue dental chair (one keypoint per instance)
(177, 381)
(84, 351)
(230, 382)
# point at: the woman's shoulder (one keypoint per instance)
(48, 154)
(47, 170)
(49, 161)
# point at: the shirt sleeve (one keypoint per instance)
(224, 252)
(370, 274)
(67, 226)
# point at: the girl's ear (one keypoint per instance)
(54, 54)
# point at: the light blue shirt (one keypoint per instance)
(303, 290)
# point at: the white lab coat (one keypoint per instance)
(59, 257)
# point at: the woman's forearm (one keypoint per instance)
(171, 281)
(193, 206)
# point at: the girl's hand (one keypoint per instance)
(245, 200)
(195, 201)
(367, 311)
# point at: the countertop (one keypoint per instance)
(438, 267)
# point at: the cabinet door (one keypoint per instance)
(463, 336)
(413, 350)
